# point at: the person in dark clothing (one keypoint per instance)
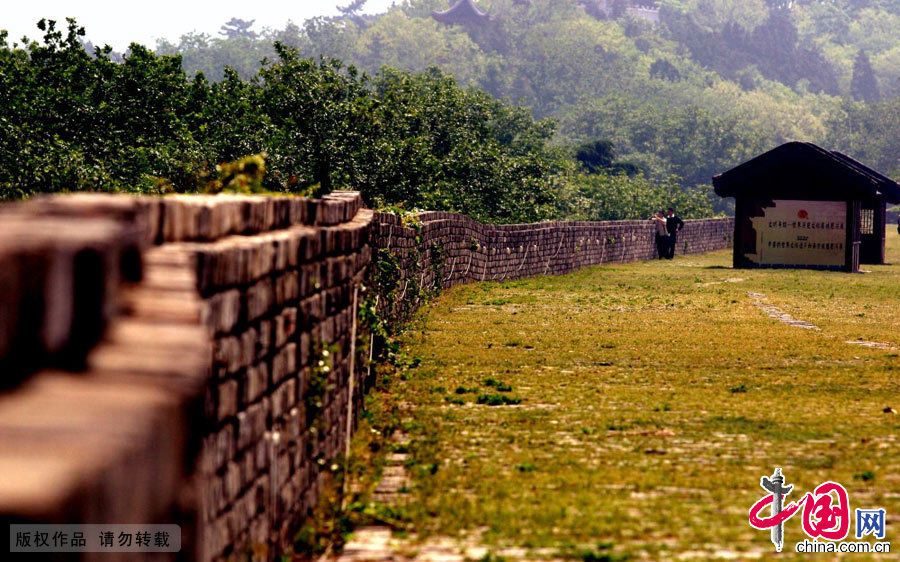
(673, 225)
(662, 236)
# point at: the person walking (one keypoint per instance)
(662, 234)
(674, 224)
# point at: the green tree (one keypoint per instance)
(619, 197)
(600, 157)
(319, 114)
(864, 86)
(236, 27)
(868, 132)
(443, 147)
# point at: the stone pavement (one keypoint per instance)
(379, 543)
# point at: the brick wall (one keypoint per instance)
(195, 407)
(192, 359)
(276, 303)
(439, 250)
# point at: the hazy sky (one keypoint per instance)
(120, 22)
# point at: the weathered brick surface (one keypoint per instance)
(272, 301)
(111, 443)
(197, 405)
(192, 408)
(61, 281)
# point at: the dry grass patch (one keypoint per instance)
(653, 397)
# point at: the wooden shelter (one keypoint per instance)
(463, 12)
(800, 205)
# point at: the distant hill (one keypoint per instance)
(684, 87)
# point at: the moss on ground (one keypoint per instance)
(653, 397)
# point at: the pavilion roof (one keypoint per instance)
(462, 12)
(809, 166)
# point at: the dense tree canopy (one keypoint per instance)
(864, 86)
(714, 83)
(870, 132)
(760, 72)
(72, 120)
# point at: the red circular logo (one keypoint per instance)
(802, 214)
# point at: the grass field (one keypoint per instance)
(653, 398)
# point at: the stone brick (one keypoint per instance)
(260, 298)
(284, 398)
(256, 382)
(265, 339)
(287, 288)
(249, 343)
(304, 350)
(252, 423)
(285, 324)
(222, 311)
(227, 355)
(232, 481)
(284, 363)
(227, 399)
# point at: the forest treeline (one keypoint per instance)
(549, 109)
(71, 120)
(713, 83)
